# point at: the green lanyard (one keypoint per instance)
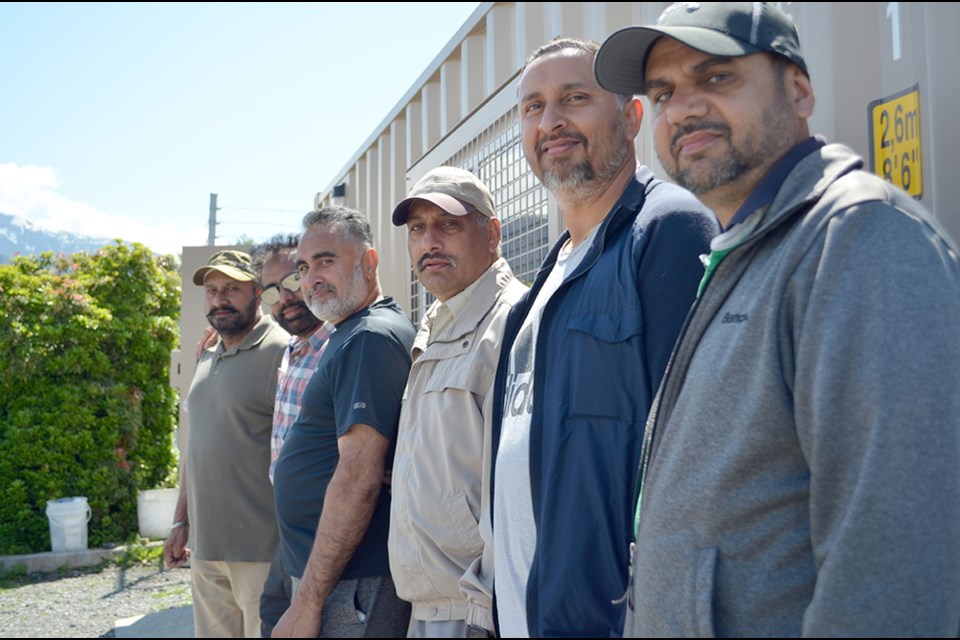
(710, 262)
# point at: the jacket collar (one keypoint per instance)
(807, 183)
(623, 212)
(489, 286)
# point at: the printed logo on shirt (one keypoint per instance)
(519, 388)
(733, 318)
(360, 405)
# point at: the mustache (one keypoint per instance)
(223, 307)
(569, 135)
(322, 287)
(294, 304)
(702, 125)
(435, 256)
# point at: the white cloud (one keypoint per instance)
(34, 193)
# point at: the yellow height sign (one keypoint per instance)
(895, 140)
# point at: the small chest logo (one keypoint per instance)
(733, 318)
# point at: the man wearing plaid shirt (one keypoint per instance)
(299, 362)
(276, 261)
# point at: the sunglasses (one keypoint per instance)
(271, 295)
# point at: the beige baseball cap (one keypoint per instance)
(455, 190)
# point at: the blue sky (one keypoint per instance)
(120, 119)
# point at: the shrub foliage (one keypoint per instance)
(86, 407)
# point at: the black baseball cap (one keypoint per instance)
(727, 29)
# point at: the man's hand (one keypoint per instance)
(175, 552)
(208, 338)
(299, 621)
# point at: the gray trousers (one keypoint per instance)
(275, 599)
(363, 608)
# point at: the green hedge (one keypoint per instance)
(86, 407)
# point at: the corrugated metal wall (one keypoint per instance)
(883, 73)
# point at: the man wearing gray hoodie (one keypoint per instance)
(801, 465)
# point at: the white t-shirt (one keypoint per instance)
(514, 530)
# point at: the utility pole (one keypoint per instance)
(212, 233)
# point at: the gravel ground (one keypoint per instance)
(85, 603)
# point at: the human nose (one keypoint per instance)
(309, 277)
(286, 295)
(685, 103)
(430, 240)
(552, 118)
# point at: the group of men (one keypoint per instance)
(725, 406)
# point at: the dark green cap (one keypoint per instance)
(726, 29)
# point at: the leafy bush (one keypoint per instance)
(86, 407)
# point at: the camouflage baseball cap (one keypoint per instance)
(233, 264)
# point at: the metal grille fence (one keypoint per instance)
(496, 157)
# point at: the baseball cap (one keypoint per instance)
(727, 29)
(233, 264)
(455, 190)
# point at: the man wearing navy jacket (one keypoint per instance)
(584, 352)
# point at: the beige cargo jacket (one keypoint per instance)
(440, 555)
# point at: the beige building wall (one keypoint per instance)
(462, 111)
(866, 61)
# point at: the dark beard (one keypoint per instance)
(302, 325)
(237, 322)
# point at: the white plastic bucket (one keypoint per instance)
(155, 509)
(68, 523)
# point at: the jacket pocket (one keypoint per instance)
(460, 373)
(605, 356)
(609, 326)
(674, 586)
(704, 573)
(464, 522)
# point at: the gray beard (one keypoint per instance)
(583, 182)
(343, 305)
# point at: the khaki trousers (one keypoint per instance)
(226, 597)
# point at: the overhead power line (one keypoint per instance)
(304, 211)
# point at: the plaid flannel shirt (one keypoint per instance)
(299, 362)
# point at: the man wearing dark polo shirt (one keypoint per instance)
(332, 503)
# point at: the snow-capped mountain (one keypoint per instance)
(20, 236)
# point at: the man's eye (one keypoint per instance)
(662, 97)
(532, 107)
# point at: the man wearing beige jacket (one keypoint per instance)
(439, 541)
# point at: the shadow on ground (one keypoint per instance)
(176, 622)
